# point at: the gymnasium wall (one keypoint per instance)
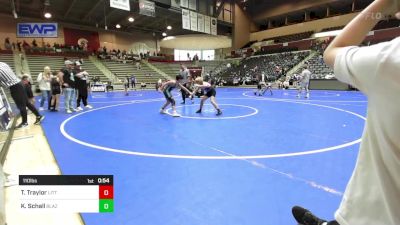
(72, 37)
(138, 42)
(8, 28)
(111, 39)
(291, 6)
(242, 28)
(333, 84)
(315, 25)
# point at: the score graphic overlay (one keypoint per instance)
(66, 193)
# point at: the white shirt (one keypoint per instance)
(372, 196)
(305, 76)
(44, 85)
(184, 73)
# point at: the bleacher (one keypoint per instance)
(318, 68)
(250, 67)
(291, 37)
(8, 58)
(38, 62)
(220, 69)
(122, 70)
(385, 24)
(171, 69)
(210, 65)
(332, 28)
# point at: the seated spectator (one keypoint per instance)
(26, 46)
(34, 44)
(7, 44)
(143, 85)
(109, 86)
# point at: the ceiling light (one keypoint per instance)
(164, 34)
(131, 19)
(169, 27)
(118, 26)
(47, 15)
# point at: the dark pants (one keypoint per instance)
(184, 93)
(133, 85)
(18, 93)
(82, 95)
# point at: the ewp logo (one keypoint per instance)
(37, 30)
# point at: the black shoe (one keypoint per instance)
(39, 119)
(219, 112)
(305, 217)
(21, 125)
(182, 103)
(198, 111)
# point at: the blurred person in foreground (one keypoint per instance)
(372, 196)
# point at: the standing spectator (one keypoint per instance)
(126, 85)
(43, 80)
(133, 82)
(9, 80)
(81, 86)
(304, 81)
(28, 88)
(55, 93)
(372, 196)
(67, 81)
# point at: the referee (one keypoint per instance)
(8, 79)
(185, 73)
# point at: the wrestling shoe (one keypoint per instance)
(175, 114)
(305, 217)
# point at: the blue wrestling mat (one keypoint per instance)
(248, 166)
